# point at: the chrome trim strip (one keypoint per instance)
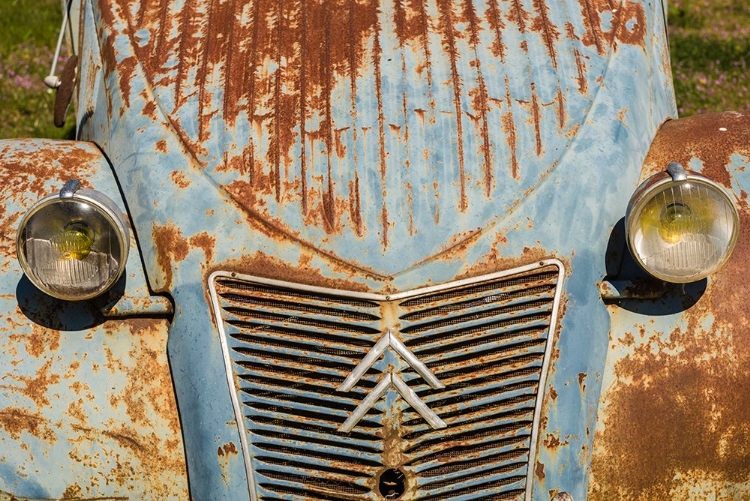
(413, 399)
(385, 297)
(406, 393)
(244, 441)
(416, 364)
(371, 357)
(367, 404)
(389, 339)
(543, 376)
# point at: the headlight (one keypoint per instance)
(681, 227)
(73, 245)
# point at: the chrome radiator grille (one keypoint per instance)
(430, 394)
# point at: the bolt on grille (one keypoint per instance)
(333, 388)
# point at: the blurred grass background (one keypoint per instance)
(709, 44)
(28, 35)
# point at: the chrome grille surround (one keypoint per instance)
(473, 352)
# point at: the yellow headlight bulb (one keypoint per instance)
(677, 220)
(75, 241)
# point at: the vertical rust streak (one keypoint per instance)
(425, 40)
(449, 43)
(424, 36)
(384, 224)
(591, 20)
(248, 161)
(139, 17)
(377, 54)
(580, 64)
(560, 108)
(509, 126)
(203, 71)
(583, 84)
(551, 35)
(548, 29)
(537, 119)
(482, 101)
(277, 100)
(229, 67)
(353, 69)
(496, 23)
(183, 58)
(400, 21)
(355, 207)
(328, 200)
(519, 16)
(159, 54)
(303, 105)
(251, 75)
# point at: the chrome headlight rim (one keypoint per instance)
(676, 175)
(105, 207)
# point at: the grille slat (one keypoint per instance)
(306, 361)
(287, 319)
(308, 488)
(294, 447)
(287, 351)
(307, 435)
(470, 477)
(496, 331)
(465, 360)
(260, 335)
(493, 303)
(511, 411)
(477, 319)
(325, 465)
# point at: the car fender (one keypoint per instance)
(87, 407)
(673, 414)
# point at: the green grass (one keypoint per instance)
(710, 50)
(27, 42)
(709, 43)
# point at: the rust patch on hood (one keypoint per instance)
(172, 247)
(262, 265)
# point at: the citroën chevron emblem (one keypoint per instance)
(390, 379)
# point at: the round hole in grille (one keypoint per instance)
(392, 484)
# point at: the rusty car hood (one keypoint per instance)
(369, 130)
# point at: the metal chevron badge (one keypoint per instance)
(391, 380)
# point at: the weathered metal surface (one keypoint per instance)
(86, 404)
(378, 120)
(673, 420)
(87, 413)
(427, 156)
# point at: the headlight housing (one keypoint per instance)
(681, 227)
(73, 245)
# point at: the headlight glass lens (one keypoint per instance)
(681, 231)
(73, 248)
